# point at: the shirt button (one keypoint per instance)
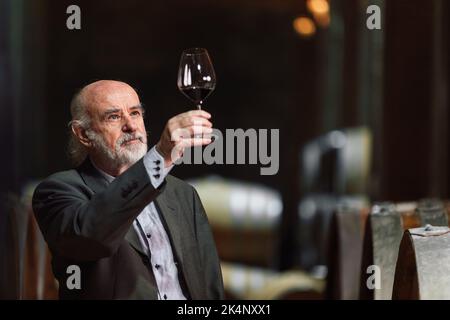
(157, 266)
(165, 297)
(148, 235)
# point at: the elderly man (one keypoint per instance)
(118, 221)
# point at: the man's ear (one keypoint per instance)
(80, 133)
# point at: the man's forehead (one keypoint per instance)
(105, 94)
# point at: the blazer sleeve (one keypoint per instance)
(208, 252)
(82, 228)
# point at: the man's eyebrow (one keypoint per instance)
(139, 107)
(111, 110)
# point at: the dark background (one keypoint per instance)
(394, 81)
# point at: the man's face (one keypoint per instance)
(117, 129)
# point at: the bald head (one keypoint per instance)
(102, 92)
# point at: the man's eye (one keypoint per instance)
(114, 117)
(135, 113)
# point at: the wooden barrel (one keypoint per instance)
(384, 231)
(26, 269)
(249, 283)
(315, 212)
(39, 282)
(244, 217)
(423, 266)
(345, 251)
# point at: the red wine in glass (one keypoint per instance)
(196, 76)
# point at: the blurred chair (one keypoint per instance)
(337, 162)
(334, 171)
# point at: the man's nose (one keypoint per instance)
(129, 125)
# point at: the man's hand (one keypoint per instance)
(188, 129)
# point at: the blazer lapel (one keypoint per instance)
(176, 227)
(169, 212)
(92, 177)
(133, 239)
(94, 180)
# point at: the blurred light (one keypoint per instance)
(274, 208)
(405, 206)
(318, 7)
(257, 280)
(257, 204)
(254, 207)
(238, 203)
(323, 20)
(237, 279)
(307, 209)
(304, 26)
(337, 139)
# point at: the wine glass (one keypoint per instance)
(196, 76)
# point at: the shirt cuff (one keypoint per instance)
(154, 164)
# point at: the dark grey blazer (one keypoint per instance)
(88, 222)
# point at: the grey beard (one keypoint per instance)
(120, 155)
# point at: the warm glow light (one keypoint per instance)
(304, 26)
(318, 7)
(322, 20)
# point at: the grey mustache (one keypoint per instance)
(128, 137)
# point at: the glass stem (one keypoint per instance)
(199, 106)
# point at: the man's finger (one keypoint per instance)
(194, 113)
(189, 132)
(193, 121)
(198, 113)
(196, 130)
(194, 142)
